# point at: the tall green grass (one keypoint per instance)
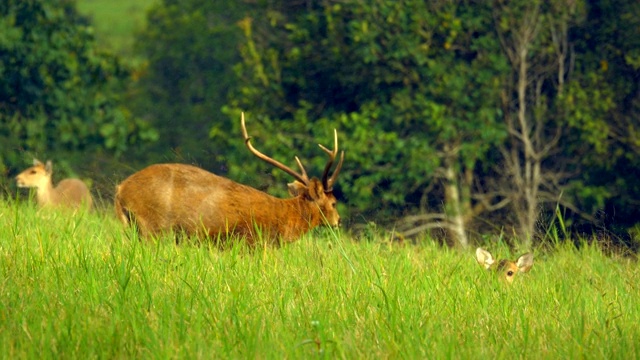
(83, 287)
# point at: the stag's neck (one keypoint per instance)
(303, 216)
(287, 219)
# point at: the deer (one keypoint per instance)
(185, 199)
(507, 268)
(69, 193)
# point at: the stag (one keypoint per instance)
(180, 198)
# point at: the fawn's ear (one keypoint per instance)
(484, 258)
(525, 262)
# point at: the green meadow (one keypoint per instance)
(84, 287)
(116, 21)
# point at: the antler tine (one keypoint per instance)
(334, 176)
(302, 170)
(328, 183)
(303, 178)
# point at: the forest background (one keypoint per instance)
(467, 120)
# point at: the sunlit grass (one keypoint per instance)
(116, 21)
(84, 287)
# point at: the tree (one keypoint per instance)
(607, 65)
(190, 47)
(555, 113)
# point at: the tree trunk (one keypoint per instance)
(454, 207)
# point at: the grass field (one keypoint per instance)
(81, 287)
(116, 21)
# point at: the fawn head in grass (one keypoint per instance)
(176, 197)
(69, 193)
(506, 268)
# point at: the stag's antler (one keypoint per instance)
(328, 183)
(302, 176)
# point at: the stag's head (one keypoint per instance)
(319, 192)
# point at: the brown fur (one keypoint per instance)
(183, 198)
(70, 193)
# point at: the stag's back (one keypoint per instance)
(174, 197)
(69, 193)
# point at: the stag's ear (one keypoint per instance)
(297, 188)
(316, 189)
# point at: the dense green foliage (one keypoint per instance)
(59, 92)
(190, 48)
(438, 108)
(381, 86)
(480, 113)
(609, 44)
(394, 78)
(82, 288)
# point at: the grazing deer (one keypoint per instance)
(506, 267)
(70, 193)
(186, 199)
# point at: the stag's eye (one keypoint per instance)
(510, 273)
(33, 172)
